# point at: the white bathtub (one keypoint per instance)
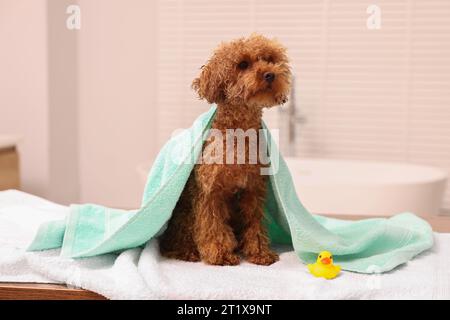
(367, 188)
(363, 187)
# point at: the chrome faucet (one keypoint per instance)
(294, 118)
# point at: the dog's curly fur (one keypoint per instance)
(220, 212)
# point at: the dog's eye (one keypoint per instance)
(243, 65)
(269, 59)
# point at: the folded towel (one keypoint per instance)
(368, 246)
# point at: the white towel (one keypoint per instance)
(141, 273)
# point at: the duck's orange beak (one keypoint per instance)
(326, 260)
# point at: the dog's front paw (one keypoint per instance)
(226, 259)
(191, 256)
(263, 258)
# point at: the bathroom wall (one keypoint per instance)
(38, 95)
(117, 110)
(83, 100)
(24, 87)
(63, 101)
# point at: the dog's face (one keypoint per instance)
(252, 71)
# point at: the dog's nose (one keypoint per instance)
(269, 77)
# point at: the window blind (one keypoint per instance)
(380, 94)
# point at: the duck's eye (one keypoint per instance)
(243, 65)
(320, 257)
(331, 257)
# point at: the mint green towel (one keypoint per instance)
(367, 246)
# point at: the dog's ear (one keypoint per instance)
(209, 84)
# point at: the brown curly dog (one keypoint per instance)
(220, 212)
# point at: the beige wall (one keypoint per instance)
(116, 99)
(23, 87)
(38, 96)
(83, 100)
(64, 170)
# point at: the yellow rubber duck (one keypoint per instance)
(324, 266)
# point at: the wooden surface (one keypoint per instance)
(42, 291)
(9, 168)
(37, 291)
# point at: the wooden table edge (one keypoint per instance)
(44, 291)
